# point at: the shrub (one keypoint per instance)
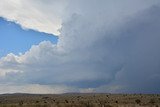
(20, 103)
(138, 101)
(152, 101)
(66, 101)
(37, 101)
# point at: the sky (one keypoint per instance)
(86, 46)
(12, 40)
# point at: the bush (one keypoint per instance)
(138, 101)
(20, 103)
(66, 101)
(152, 101)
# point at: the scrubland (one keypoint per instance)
(80, 100)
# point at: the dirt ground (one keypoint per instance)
(80, 100)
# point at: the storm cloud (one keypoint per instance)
(103, 46)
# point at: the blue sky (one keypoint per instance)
(16, 40)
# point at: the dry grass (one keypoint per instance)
(80, 100)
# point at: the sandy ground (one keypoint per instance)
(80, 100)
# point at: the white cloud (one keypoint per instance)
(43, 16)
(96, 47)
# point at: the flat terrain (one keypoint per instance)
(80, 100)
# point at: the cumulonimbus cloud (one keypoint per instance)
(103, 45)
